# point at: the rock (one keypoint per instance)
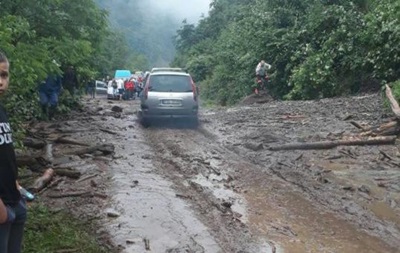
(364, 188)
(254, 146)
(112, 213)
(116, 108)
(133, 241)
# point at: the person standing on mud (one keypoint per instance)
(12, 206)
(92, 87)
(49, 91)
(261, 75)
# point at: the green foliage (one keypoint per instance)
(48, 232)
(317, 48)
(72, 32)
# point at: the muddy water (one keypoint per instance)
(215, 189)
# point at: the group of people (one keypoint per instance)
(128, 88)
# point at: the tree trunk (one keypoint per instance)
(332, 144)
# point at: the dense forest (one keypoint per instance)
(36, 34)
(317, 48)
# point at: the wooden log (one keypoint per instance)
(42, 181)
(69, 194)
(357, 125)
(331, 144)
(34, 143)
(108, 131)
(78, 194)
(65, 172)
(65, 140)
(105, 148)
(51, 185)
(386, 129)
(393, 102)
(87, 178)
(30, 160)
(391, 128)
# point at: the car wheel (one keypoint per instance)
(194, 122)
(143, 120)
(145, 123)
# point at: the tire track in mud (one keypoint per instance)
(195, 164)
(262, 212)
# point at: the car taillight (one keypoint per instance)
(194, 90)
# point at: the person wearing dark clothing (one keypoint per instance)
(92, 88)
(13, 212)
(49, 91)
(70, 80)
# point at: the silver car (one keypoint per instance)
(101, 87)
(169, 94)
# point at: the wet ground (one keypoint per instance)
(220, 188)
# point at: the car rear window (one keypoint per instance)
(170, 83)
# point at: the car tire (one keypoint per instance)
(194, 123)
(145, 123)
(143, 120)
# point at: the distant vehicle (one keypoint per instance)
(111, 93)
(101, 87)
(122, 73)
(139, 73)
(167, 69)
(169, 94)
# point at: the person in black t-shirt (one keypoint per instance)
(12, 205)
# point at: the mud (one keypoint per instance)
(219, 188)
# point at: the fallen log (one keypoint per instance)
(69, 194)
(87, 178)
(66, 172)
(357, 125)
(64, 140)
(105, 148)
(51, 185)
(34, 143)
(393, 102)
(108, 131)
(389, 128)
(386, 129)
(30, 160)
(42, 181)
(78, 194)
(332, 144)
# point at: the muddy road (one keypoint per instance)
(219, 188)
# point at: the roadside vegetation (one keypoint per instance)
(50, 231)
(35, 34)
(317, 48)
